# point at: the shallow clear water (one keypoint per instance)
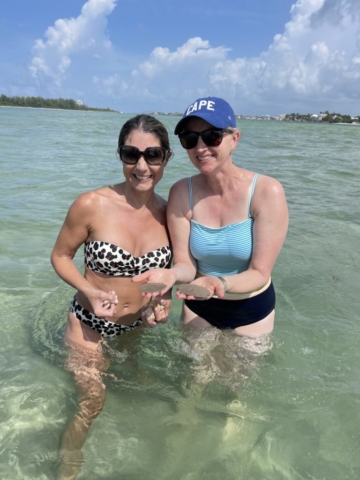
(180, 405)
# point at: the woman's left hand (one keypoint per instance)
(156, 311)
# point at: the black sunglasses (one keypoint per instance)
(212, 137)
(152, 155)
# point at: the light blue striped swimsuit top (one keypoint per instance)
(225, 250)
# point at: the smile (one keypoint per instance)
(204, 158)
(142, 177)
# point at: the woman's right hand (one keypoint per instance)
(166, 276)
(103, 304)
(156, 311)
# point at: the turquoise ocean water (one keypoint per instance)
(222, 410)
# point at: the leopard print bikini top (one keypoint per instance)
(108, 259)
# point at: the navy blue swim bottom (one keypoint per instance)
(225, 314)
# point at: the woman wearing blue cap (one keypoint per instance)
(227, 226)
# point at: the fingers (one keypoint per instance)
(108, 305)
(148, 317)
(219, 291)
(156, 312)
(106, 312)
(108, 302)
(149, 295)
(161, 312)
(115, 297)
(182, 296)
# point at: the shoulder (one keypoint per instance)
(179, 193)
(87, 199)
(182, 186)
(179, 201)
(269, 195)
(88, 203)
(266, 185)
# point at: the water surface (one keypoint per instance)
(178, 405)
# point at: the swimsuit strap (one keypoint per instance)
(252, 193)
(250, 197)
(190, 194)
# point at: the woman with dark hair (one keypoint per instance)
(123, 229)
(227, 226)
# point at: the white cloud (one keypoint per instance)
(334, 11)
(113, 86)
(311, 59)
(52, 57)
(193, 51)
(313, 62)
(315, 59)
(167, 75)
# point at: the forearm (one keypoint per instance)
(67, 271)
(184, 272)
(245, 282)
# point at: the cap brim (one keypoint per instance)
(179, 126)
(211, 120)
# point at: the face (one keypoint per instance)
(142, 176)
(207, 159)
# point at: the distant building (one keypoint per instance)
(79, 102)
(318, 117)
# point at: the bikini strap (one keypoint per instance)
(252, 193)
(190, 194)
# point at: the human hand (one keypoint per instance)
(213, 285)
(165, 276)
(156, 311)
(103, 304)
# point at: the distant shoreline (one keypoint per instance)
(353, 124)
(105, 110)
(265, 118)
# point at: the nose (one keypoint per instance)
(200, 143)
(141, 163)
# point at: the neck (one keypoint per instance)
(219, 180)
(136, 199)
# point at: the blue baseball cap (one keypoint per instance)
(214, 110)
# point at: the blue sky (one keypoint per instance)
(266, 57)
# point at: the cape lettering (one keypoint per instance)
(207, 104)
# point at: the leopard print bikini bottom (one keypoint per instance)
(105, 328)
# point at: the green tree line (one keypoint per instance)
(39, 102)
(325, 117)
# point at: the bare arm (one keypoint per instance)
(271, 219)
(72, 235)
(178, 217)
(269, 208)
